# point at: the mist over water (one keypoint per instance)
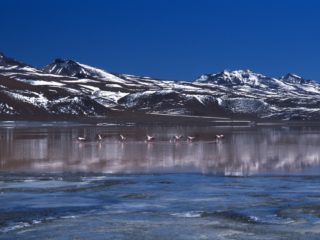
(256, 183)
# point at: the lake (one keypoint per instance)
(258, 182)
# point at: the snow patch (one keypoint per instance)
(113, 96)
(80, 81)
(94, 89)
(41, 82)
(102, 74)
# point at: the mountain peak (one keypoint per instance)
(231, 78)
(293, 78)
(58, 61)
(61, 66)
(239, 71)
(64, 61)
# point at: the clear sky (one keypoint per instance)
(170, 39)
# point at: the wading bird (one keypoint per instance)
(190, 138)
(150, 138)
(178, 137)
(219, 136)
(81, 139)
(122, 138)
(99, 138)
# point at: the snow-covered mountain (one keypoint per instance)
(67, 87)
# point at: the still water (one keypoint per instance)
(255, 183)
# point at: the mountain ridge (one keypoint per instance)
(67, 87)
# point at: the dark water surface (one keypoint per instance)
(256, 183)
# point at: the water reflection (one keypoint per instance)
(242, 151)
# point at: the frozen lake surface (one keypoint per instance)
(255, 183)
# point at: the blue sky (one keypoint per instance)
(170, 39)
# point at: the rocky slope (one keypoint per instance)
(69, 88)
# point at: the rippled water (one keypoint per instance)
(256, 183)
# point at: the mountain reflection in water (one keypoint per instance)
(243, 151)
